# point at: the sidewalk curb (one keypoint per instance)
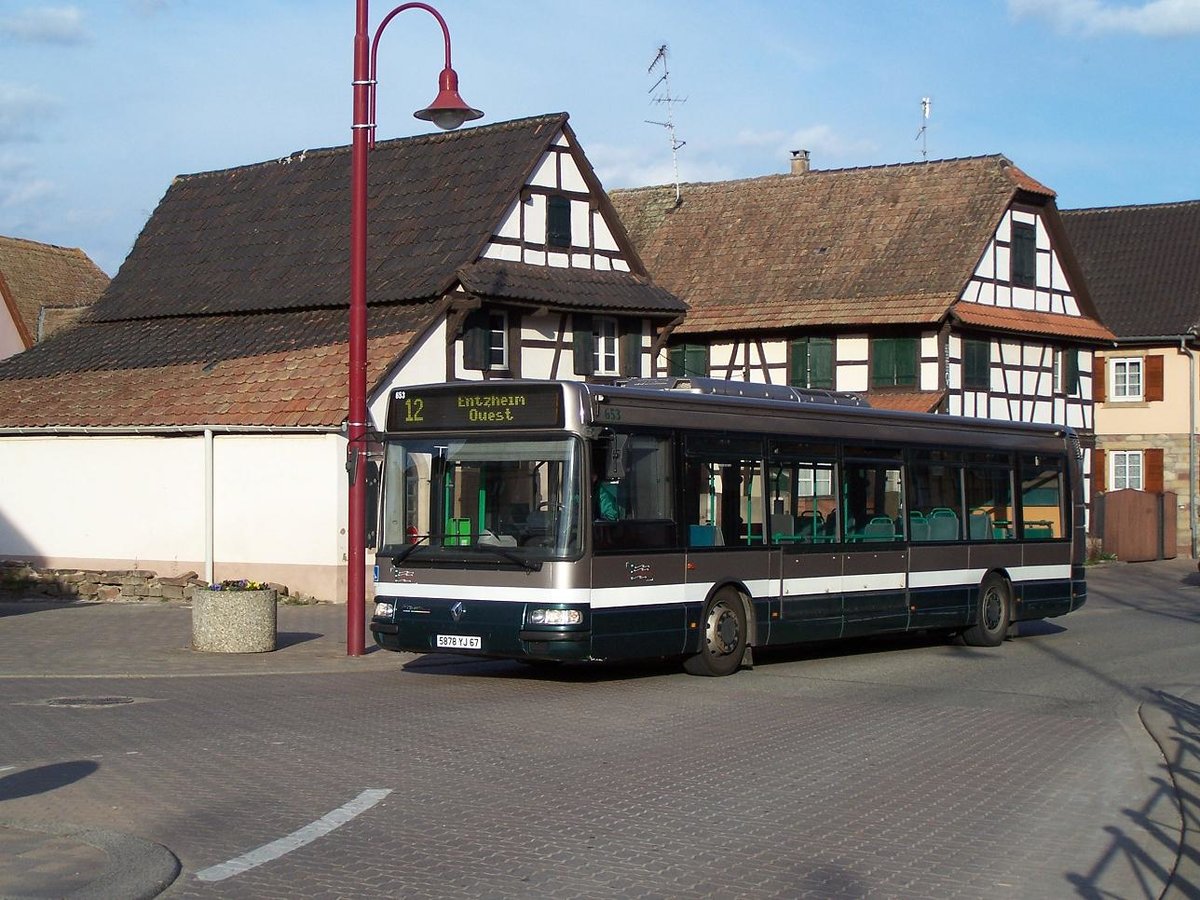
(137, 869)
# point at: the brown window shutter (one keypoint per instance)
(1099, 382)
(1154, 377)
(1099, 473)
(1152, 477)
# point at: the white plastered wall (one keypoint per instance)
(10, 338)
(137, 501)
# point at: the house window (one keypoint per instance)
(893, 362)
(604, 346)
(687, 360)
(811, 363)
(977, 364)
(1024, 254)
(1127, 379)
(1126, 468)
(497, 340)
(558, 221)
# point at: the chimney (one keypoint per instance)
(799, 162)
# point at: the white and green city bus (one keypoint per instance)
(737, 515)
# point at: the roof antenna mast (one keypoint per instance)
(926, 104)
(667, 100)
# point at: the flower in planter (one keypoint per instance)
(239, 584)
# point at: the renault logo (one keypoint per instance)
(457, 611)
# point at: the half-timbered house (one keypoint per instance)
(42, 288)
(944, 286)
(194, 420)
(1142, 265)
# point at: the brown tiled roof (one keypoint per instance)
(33, 276)
(881, 245)
(1141, 264)
(232, 307)
(280, 373)
(570, 288)
(906, 401)
(1001, 318)
(276, 235)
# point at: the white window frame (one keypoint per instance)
(606, 346)
(497, 341)
(1127, 379)
(1127, 469)
(814, 482)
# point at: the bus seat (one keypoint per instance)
(943, 525)
(880, 528)
(979, 526)
(704, 536)
(918, 526)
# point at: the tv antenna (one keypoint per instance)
(669, 102)
(926, 104)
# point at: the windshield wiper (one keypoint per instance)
(410, 547)
(527, 564)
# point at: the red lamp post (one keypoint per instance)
(447, 111)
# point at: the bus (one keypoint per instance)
(697, 519)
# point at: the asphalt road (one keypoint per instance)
(906, 767)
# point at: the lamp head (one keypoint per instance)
(448, 110)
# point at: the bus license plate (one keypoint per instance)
(460, 641)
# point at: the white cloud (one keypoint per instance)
(1154, 18)
(21, 111)
(46, 25)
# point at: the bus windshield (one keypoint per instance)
(485, 499)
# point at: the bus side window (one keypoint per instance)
(1042, 514)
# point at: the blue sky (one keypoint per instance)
(103, 102)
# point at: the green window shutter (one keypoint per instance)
(696, 360)
(1071, 360)
(820, 363)
(883, 362)
(676, 360)
(476, 331)
(1024, 254)
(906, 362)
(584, 345)
(977, 364)
(558, 222)
(798, 376)
(631, 349)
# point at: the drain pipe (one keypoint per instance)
(209, 504)
(1191, 355)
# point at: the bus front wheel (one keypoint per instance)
(723, 644)
(992, 611)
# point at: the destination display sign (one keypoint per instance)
(475, 407)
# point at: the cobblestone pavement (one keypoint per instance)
(892, 768)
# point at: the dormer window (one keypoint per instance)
(558, 221)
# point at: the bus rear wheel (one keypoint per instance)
(723, 643)
(992, 611)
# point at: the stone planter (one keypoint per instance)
(233, 621)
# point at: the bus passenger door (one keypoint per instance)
(875, 570)
(725, 528)
(804, 525)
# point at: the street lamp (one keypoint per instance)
(447, 111)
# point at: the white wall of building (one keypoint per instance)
(10, 338)
(137, 501)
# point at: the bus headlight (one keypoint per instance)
(555, 617)
(385, 609)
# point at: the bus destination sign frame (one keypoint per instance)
(471, 407)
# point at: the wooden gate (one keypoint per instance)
(1139, 526)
